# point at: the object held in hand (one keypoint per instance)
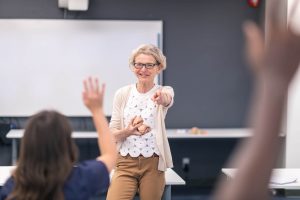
(137, 120)
(144, 129)
(196, 130)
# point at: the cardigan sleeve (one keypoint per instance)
(120, 99)
(169, 90)
(115, 121)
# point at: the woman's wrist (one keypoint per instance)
(127, 133)
(167, 100)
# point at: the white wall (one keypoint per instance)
(293, 107)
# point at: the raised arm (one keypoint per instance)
(93, 100)
(274, 65)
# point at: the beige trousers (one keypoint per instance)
(134, 175)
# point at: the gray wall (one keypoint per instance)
(203, 43)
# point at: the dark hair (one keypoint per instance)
(47, 156)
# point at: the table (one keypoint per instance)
(5, 172)
(172, 178)
(209, 133)
(282, 178)
(16, 134)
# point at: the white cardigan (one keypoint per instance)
(116, 123)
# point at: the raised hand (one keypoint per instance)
(92, 95)
(278, 57)
(161, 98)
(274, 63)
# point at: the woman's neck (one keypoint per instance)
(144, 87)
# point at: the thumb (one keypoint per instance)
(157, 94)
(132, 120)
(154, 97)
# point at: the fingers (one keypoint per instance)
(144, 129)
(103, 87)
(137, 133)
(158, 93)
(132, 120)
(292, 19)
(92, 85)
(254, 44)
(92, 95)
(137, 125)
(137, 120)
(293, 9)
(96, 85)
(157, 97)
(251, 30)
(161, 98)
(275, 15)
(85, 86)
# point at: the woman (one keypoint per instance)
(45, 169)
(138, 126)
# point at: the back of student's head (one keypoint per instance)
(47, 155)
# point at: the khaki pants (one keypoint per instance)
(134, 175)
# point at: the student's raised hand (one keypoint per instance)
(161, 98)
(274, 63)
(277, 58)
(92, 95)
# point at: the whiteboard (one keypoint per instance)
(43, 62)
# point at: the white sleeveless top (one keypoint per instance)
(140, 104)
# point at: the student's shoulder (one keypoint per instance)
(91, 173)
(7, 188)
(87, 179)
(91, 165)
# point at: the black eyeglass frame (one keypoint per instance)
(146, 65)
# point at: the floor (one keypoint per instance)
(200, 196)
(205, 196)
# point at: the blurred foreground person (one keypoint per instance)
(274, 64)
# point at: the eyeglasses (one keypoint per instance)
(146, 65)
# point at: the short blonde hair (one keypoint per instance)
(149, 49)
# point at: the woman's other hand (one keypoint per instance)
(135, 123)
(143, 129)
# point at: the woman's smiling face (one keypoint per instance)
(145, 68)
